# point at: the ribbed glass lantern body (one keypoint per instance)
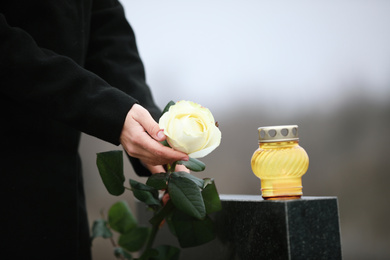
(280, 166)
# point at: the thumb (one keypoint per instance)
(143, 117)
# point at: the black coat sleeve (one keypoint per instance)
(113, 55)
(59, 88)
(93, 99)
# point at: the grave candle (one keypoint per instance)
(280, 162)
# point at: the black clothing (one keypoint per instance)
(65, 66)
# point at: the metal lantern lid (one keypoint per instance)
(268, 134)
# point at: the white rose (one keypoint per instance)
(190, 128)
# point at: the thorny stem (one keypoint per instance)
(156, 226)
(151, 237)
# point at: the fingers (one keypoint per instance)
(151, 152)
(159, 168)
(143, 117)
(165, 198)
(182, 168)
(140, 138)
(155, 168)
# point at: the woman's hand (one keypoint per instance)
(140, 138)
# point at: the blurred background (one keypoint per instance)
(323, 65)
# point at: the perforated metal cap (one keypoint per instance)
(268, 134)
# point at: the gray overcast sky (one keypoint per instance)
(281, 53)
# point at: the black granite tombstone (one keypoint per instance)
(252, 228)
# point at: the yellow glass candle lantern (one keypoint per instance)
(280, 162)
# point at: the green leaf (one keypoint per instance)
(166, 252)
(140, 186)
(119, 251)
(149, 254)
(145, 193)
(146, 197)
(211, 198)
(186, 196)
(166, 108)
(193, 164)
(171, 227)
(110, 166)
(158, 181)
(162, 213)
(120, 217)
(192, 232)
(100, 229)
(199, 182)
(135, 239)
